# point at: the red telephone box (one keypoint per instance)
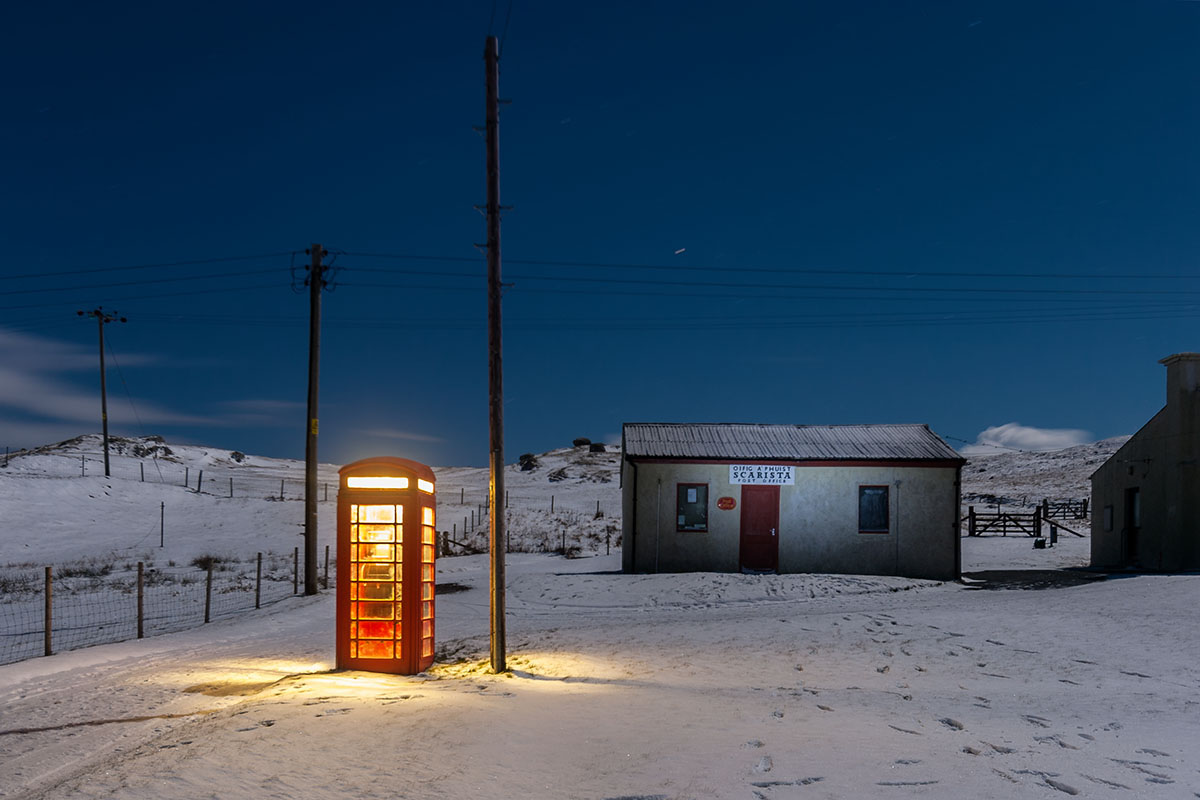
(385, 568)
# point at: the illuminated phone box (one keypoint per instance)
(385, 566)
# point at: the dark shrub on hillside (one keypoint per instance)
(596, 447)
(528, 462)
(581, 441)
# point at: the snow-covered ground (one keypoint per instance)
(1033, 682)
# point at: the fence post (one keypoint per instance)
(326, 492)
(258, 584)
(199, 481)
(563, 549)
(208, 593)
(551, 504)
(141, 600)
(281, 488)
(607, 543)
(1037, 521)
(970, 520)
(1045, 508)
(597, 509)
(141, 464)
(162, 522)
(231, 487)
(187, 476)
(445, 544)
(49, 618)
(462, 495)
(295, 570)
(83, 466)
(326, 584)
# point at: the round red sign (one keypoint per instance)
(726, 503)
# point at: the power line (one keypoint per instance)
(727, 285)
(158, 265)
(779, 270)
(177, 279)
(223, 290)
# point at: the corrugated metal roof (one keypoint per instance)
(785, 442)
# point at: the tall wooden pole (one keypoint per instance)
(103, 393)
(315, 284)
(102, 318)
(491, 56)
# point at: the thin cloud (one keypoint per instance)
(1015, 436)
(263, 406)
(39, 405)
(410, 436)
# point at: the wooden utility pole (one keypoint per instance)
(491, 56)
(102, 318)
(316, 283)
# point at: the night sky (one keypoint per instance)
(966, 214)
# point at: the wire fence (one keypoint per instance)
(49, 610)
(224, 478)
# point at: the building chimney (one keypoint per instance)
(1183, 375)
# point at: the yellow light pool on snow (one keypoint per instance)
(424, 485)
(381, 482)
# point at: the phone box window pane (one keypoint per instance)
(375, 591)
(376, 533)
(375, 552)
(376, 572)
(377, 514)
(376, 630)
(375, 649)
(375, 610)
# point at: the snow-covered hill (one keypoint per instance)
(56, 506)
(1024, 479)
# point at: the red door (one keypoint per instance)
(760, 528)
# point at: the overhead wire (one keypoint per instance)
(132, 405)
(157, 265)
(773, 270)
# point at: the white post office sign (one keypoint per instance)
(761, 475)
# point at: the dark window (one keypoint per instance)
(872, 509)
(691, 507)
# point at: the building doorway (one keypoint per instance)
(1133, 525)
(760, 529)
